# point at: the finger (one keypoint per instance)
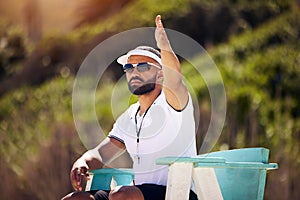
(84, 171)
(158, 22)
(79, 178)
(74, 175)
(73, 180)
(76, 179)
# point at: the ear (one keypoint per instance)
(160, 75)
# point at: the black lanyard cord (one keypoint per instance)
(138, 130)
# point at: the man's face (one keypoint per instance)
(142, 82)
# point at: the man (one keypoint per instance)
(160, 124)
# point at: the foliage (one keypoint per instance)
(26, 111)
(259, 66)
(214, 20)
(38, 137)
(261, 74)
(14, 48)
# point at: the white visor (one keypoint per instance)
(139, 52)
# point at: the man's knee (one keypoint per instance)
(126, 193)
(79, 196)
(117, 193)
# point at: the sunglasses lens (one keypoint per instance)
(142, 67)
(128, 68)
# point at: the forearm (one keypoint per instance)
(170, 63)
(104, 154)
(90, 159)
(171, 69)
(93, 159)
(173, 86)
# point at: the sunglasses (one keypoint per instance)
(141, 67)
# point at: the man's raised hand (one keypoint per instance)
(161, 37)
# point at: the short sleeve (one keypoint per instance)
(116, 133)
(124, 126)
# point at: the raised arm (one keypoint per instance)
(173, 86)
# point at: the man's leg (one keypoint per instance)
(126, 193)
(79, 196)
(101, 195)
(91, 195)
(153, 191)
(158, 192)
(139, 192)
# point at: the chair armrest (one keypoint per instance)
(195, 159)
(104, 178)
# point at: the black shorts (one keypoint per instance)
(150, 192)
(100, 194)
(158, 192)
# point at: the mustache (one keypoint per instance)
(136, 78)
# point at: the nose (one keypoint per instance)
(135, 74)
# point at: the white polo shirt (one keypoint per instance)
(164, 132)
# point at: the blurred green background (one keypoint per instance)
(255, 44)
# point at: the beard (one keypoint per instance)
(146, 87)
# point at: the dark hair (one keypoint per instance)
(150, 49)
